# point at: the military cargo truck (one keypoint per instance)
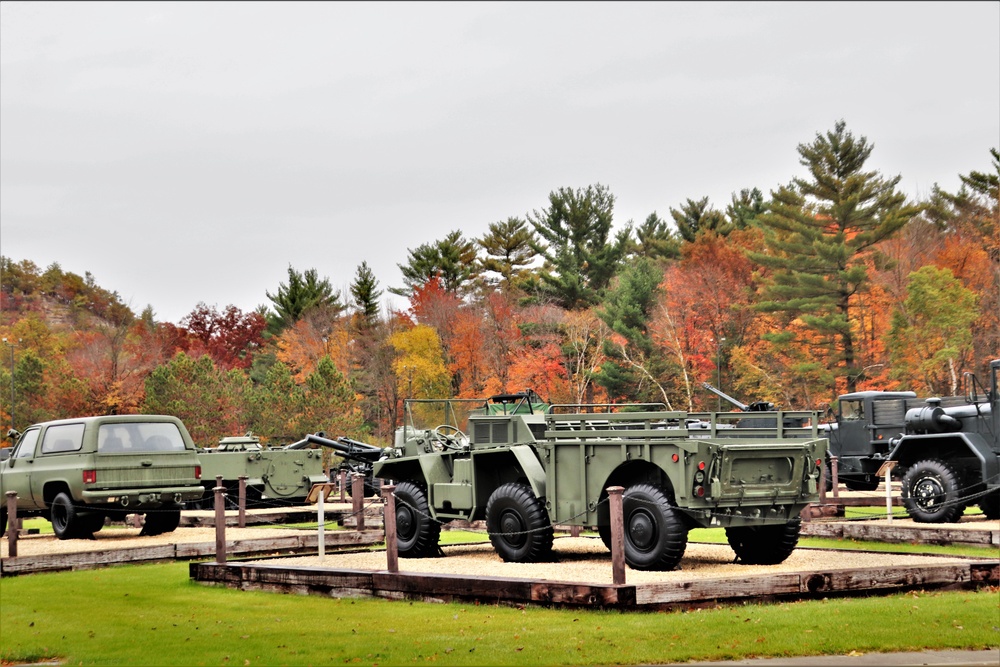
(525, 466)
(77, 472)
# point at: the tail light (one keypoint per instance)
(89, 476)
(699, 481)
(197, 472)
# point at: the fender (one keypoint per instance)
(532, 467)
(910, 448)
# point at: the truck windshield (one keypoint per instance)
(424, 415)
(133, 437)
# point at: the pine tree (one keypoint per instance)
(654, 239)
(366, 294)
(818, 234)
(451, 259)
(580, 257)
(508, 247)
(695, 217)
(304, 292)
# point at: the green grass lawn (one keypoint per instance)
(154, 615)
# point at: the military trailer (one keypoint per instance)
(276, 476)
(525, 466)
(78, 472)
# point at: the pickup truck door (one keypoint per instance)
(17, 474)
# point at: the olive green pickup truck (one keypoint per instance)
(77, 472)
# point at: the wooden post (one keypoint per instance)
(574, 531)
(358, 496)
(389, 520)
(617, 535)
(220, 520)
(885, 470)
(343, 485)
(243, 501)
(833, 474)
(822, 485)
(321, 523)
(12, 524)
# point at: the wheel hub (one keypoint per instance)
(927, 492)
(404, 521)
(512, 528)
(641, 530)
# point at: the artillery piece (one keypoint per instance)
(357, 457)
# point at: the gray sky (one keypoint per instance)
(186, 152)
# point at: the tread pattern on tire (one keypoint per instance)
(947, 506)
(518, 524)
(647, 509)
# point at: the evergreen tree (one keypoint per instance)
(695, 217)
(654, 239)
(304, 292)
(745, 208)
(508, 248)
(634, 364)
(366, 294)
(452, 259)
(818, 234)
(580, 257)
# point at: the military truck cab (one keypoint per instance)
(866, 421)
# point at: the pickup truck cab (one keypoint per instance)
(78, 472)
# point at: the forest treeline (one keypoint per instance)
(833, 282)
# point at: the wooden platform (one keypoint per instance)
(686, 593)
(982, 533)
(169, 551)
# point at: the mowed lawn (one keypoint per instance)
(155, 615)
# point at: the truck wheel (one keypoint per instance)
(518, 524)
(63, 516)
(990, 505)
(163, 520)
(417, 532)
(931, 492)
(655, 535)
(764, 545)
(865, 484)
(90, 522)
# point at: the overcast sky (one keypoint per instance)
(187, 152)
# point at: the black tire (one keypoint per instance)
(160, 521)
(90, 522)
(931, 492)
(864, 484)
(990, 505)
(63, 516)
(655, 534)
(764, 545)
(417, 533)
(518, 524)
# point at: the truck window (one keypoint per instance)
(63, 438)
(852, 410)
(143, 438)
(26, 447)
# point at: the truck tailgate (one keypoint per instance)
(764, 471)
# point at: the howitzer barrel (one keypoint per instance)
(347, 448)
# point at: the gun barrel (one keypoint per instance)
(347, 448)
(740, 405)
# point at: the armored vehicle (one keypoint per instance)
(275, 475)
(77, 472)
(525, 466)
